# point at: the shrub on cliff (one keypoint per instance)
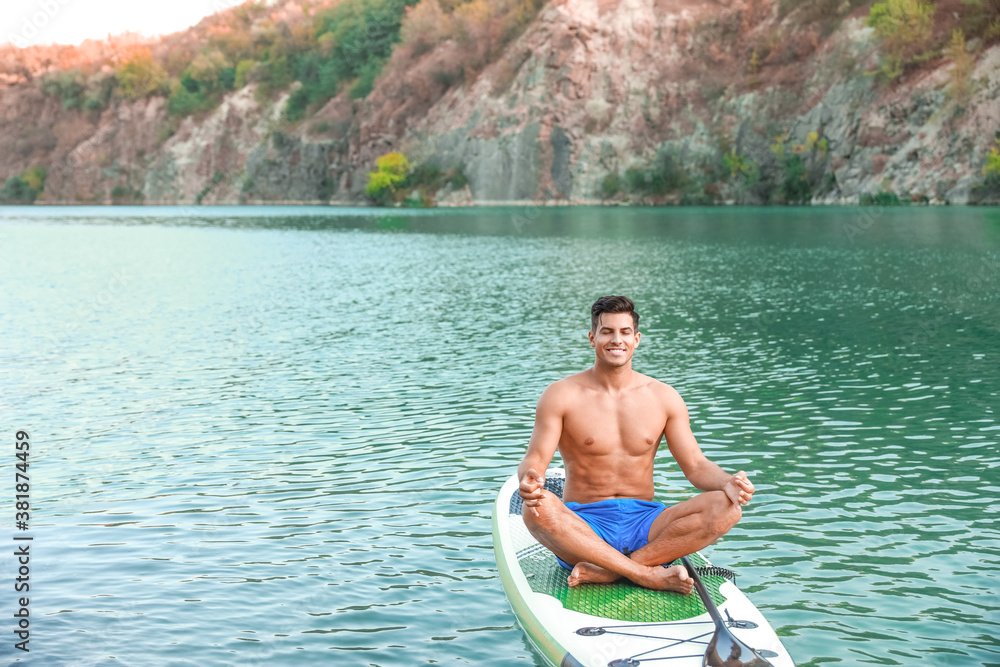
(988, 192)
(425, 180)
(68, 86)
(24, 189)
(963, 64)
(123, 194)
(904, 26)
(201, 84)
(611, 185)
(992, 167)
(208, 73)
(75, 90)
(184, 102)
(796, 187)
(392, 170)
(667, 175)
(140, 75)
(737, 165)
(242, 74)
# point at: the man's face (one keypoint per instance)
(615, 339)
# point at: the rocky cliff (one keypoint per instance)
(652, 101)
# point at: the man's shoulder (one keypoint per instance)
(561, 395)
(662, 390)
(568, 385)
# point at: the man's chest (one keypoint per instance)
(634, 424)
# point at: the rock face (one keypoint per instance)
(208, 161)
(590, 90)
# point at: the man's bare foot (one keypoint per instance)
(588, 573)
(675, 578)
(659, 578)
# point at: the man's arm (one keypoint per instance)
(702, 473)
(542, 446)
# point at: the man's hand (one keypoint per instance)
(739, 489)
(530, 488)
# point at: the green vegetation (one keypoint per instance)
(140, 75)
(815, 143)
(324, 49)
(782, 173)
(123, 194)
(611, 186)
(67, 85)
(988, 192)
(904, 26)
(24, 189)
(242, 71)
(737, 165)
(992, 167)
(348, 45)
(431, 176)
(201, 84)
(392, 169)
(667, 175)
(881, 198)
(75, 90)
(964, 63)
(796, 187)
(397, 182)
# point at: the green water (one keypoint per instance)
(273, 435)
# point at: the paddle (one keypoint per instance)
(724, 642)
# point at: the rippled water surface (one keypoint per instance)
(273, 436)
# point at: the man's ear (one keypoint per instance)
(590, 336)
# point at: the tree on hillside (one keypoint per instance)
(140, 74)
(904, 26)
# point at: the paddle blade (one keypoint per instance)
(725, 650)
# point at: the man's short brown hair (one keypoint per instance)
(612, 304)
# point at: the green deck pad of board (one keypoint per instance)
(621, 601)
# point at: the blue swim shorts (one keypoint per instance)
(623, 523)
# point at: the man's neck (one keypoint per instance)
(613, 378)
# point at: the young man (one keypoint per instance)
(607, 422)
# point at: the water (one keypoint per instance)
(273, 436)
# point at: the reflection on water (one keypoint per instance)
(272, 436)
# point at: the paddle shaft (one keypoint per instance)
(702, 592)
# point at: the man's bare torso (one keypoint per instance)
(609, 441)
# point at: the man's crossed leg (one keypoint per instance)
(676, 531)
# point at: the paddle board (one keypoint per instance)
(619, 624)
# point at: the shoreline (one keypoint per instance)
(856, 203)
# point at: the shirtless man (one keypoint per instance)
(607, 423)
